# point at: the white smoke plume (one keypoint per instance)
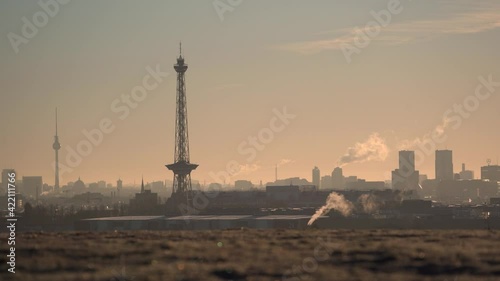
(369, 203)
(373, 149)
(336, 202)
(437, 133)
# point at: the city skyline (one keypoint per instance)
(232, 97)
(353, 140)
(406, 166)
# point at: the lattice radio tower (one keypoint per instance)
(181, 167)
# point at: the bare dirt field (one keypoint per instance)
(247, 254)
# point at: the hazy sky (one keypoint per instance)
(256, 57)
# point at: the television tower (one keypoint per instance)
(181, 167)
(56, 146)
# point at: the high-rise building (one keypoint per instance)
(466, 174)
(407, 161)
(491, 173)
(316, 177)
(119, 186)
(32, 187)
(444, 165)
(406, 177)
(338, 181)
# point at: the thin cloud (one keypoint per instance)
(284, 162)
(483, 18)
(247, 169)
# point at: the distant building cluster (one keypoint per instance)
(145, 202)
(337, 181)
(407, 192)
(447, 186)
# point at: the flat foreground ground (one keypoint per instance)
(248, 254)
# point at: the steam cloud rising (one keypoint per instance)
(375, 148)
(369, 203)
(437, 133)
(334, 201)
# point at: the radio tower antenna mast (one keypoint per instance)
(56, 146)
(182, 167)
